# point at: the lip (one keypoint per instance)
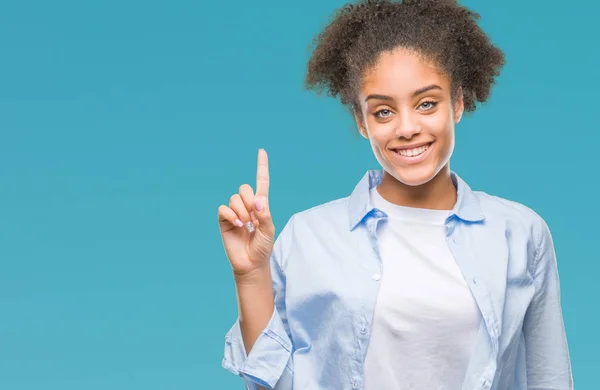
(412, 146)
(412, 160)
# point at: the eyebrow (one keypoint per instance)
(415, 93)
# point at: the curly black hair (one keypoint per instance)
(440, 30)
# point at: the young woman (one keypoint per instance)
(413, 281)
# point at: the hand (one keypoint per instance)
(249, 251)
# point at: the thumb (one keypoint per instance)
(263, 214)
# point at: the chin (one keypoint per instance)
(413, 176)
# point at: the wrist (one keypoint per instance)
(256, 277)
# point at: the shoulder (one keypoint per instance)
(309, 226)
(336, 209)
(320, 218)
(497, 206)
(515, 216)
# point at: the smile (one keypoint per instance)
(412, 155)
(412, 152)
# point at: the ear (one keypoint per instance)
(360, 123)
(459, 106)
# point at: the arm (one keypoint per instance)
(258, 347)
(255, 304)
(547, 352)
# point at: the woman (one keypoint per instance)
(413, 281)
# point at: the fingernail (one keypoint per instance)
(239, 223)
(258, 205)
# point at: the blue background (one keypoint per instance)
(124, 125)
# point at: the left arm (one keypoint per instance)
(547, 352)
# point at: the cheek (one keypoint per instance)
(379, 139)
(436, 122)
(382, 133)
(440, 126)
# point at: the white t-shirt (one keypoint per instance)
(425, 319)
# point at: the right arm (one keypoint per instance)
(255, 304)
(264, 357)
(258, 347)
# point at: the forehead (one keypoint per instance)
(400, 72)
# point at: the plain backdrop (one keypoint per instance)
(125, 124)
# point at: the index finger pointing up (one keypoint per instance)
(262, 174)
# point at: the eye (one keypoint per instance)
(428, 105)
(385, 113)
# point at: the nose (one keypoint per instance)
(408, 126)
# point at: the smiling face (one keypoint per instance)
(408, 116)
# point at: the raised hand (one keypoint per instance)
(246, 224)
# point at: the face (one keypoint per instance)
(408, 116)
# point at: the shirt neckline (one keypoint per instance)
(406, 213)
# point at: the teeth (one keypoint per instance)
(412, 152)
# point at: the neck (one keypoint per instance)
(438, 193)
